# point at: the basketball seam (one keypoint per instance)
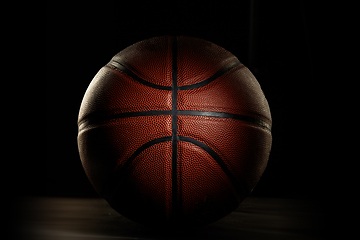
(239, 187)
(218, 74)
(244, 118)
(175, 202)
(118, 175)
(144, 147)
(113, 64)
(97, 118)
(119, 66)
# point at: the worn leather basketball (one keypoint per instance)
(174, 131)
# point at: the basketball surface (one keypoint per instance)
(174, 131)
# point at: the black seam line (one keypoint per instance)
(117, 178)
(117, 65)
(175, 202)
(124, 69)
(239, 187)
(226, 115)
(98, 118)
(142, 148)
(212, 78)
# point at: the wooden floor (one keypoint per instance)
(74, 218)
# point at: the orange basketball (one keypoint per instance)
(174, 131)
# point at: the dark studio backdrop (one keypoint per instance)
(274, 39)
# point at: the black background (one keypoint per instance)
(277, 40)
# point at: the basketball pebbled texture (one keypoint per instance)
(174, 131)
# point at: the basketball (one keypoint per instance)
(174, 131)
